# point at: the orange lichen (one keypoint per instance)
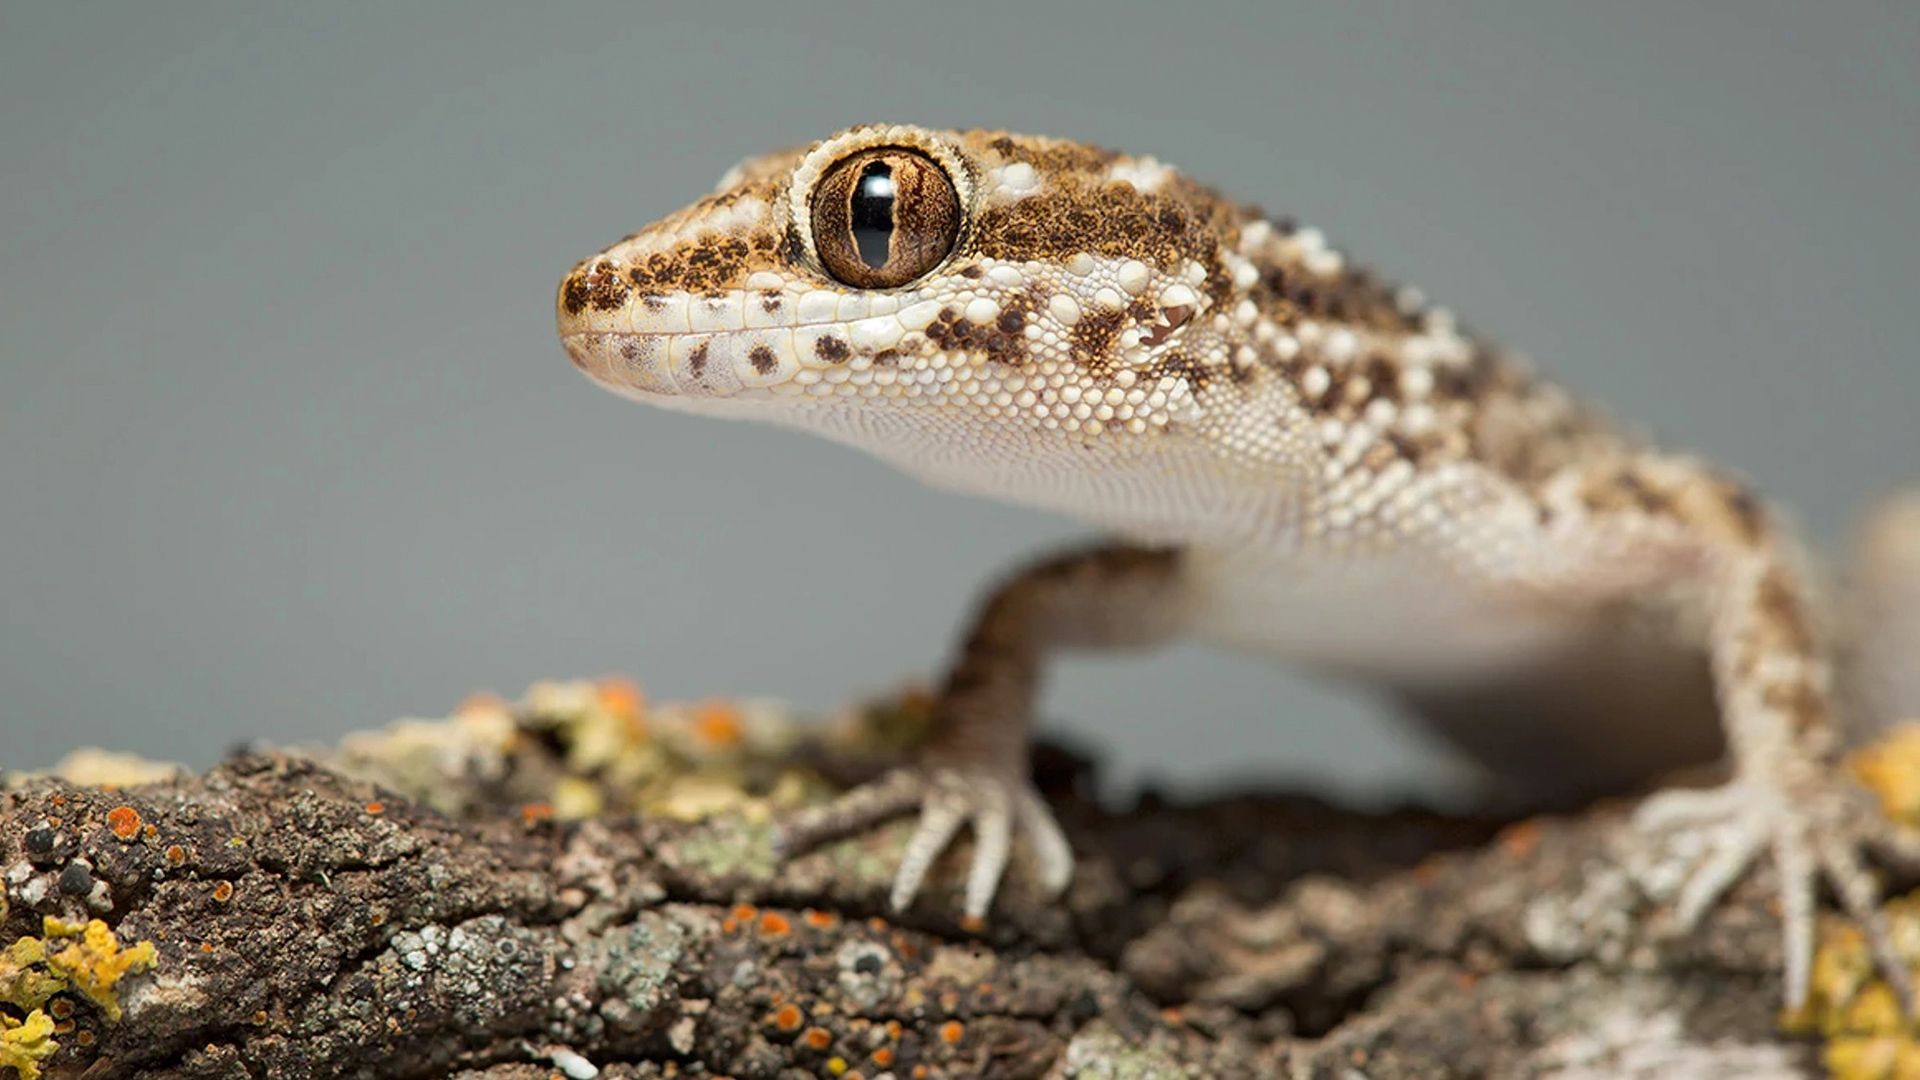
(534, 812)
(376, 808)
(1521, 840)
(625, 701)
(817, 1038)
(124, 821)
(223, 891)
(820, 920)
(745, 912)
(883, 1056)
(176, 854)
(150, 831)
(788, 1018)
(717, 724)
(951, 1031)
(774, 924)
(96, 963)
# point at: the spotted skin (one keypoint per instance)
(1294, 456)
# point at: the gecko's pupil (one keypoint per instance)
(883, 217)
(872, 214)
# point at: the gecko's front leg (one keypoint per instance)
(975, 770)
(1772, 669)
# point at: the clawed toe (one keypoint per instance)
(1808, 838)
(948, 800)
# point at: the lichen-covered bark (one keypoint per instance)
(309, 924)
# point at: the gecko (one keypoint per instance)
(1290, 456)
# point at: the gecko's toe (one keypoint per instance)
(986, 802)
(992, 841)
(1050, 848)
(940, 818)
(862, 808)
(1810, 831)
(1859, 893)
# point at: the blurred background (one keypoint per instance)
(287, 446)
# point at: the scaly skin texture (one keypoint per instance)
(1294, 457)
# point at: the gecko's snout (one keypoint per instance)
(674, 344)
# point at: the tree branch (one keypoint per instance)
(416, 904)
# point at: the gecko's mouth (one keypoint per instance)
(724, 363)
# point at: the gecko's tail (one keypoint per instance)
(1882, 618)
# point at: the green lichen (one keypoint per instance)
(1100, 1053)
(640, 964)
(744, 852)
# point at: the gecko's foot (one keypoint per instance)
(988, 800)
(1813, 831)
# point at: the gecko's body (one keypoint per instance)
(1294, 458)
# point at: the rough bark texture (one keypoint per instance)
(310, 922)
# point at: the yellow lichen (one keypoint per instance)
(24, 1044)
(24, 981)
(1890, 768)
(1850, 1004)
(95, 964)
(575, 798)
(1853, 1008)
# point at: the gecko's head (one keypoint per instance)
(965, 304)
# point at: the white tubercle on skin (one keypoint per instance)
(1013, 181)
(1144, 173)
(872, 335)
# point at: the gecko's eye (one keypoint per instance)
(883, 217)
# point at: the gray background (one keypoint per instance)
(287, 447)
